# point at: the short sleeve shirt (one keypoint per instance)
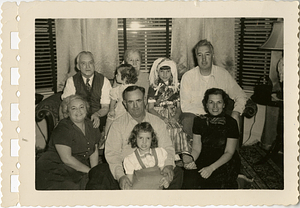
(68, 134)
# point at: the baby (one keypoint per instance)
(143, 167)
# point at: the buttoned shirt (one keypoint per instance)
(194, 85)
(117, 147)
(71, 90)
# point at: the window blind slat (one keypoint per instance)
(250, 34)
(45, 54)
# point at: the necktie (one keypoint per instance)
(87, 84)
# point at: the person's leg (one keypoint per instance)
(100, 178)
(187, 121)
(191, 179)
(177, 179)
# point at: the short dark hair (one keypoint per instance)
(127, 71)
(204, 43)
(214, 91)
(144, 127)
(133, 88)
(133, 50)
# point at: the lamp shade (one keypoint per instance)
(275, 41)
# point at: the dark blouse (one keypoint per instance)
(214, 139)
(68, 134)
(51, 172)
(215, 135)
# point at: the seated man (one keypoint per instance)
(196, 81)
(117, 146)
(92, 86)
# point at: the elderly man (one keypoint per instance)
(117, 147)
(92, 86)
(196, 81)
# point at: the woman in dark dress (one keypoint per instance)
(72, 152)
(215, 163)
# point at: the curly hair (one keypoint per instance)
(66, 102)
(142, 127)
(127, 71)
(215, 91)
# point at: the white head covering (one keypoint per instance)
(158, 63)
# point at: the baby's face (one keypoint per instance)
(119, 77)
(144, 141)
(165, 73)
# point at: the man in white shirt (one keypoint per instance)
(92, 86)
(196, 81)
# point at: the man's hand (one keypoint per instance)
(168, 173)
(190, 166)
(164, 182)
(206, 172)
(186, 159)
(124, 183)
(96, 121)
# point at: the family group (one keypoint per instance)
(158, 132)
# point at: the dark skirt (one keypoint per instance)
(53, 174)
(225, 177)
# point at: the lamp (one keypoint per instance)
(275, 41)
(263, 89)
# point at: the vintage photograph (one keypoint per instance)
(159, 103)
(152, 103)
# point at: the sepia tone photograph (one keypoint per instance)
(207, 112)
(153, 103)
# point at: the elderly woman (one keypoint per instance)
(134, 58)
(73, 149)
(215, 163)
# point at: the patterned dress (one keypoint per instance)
(166, 101)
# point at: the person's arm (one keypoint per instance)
(100, 113)
(186, 97)
(196, 150)
(94, 158)
(130, 176)
(113, 150)
(69, 88)
(112, 106)
(237, 116)
(236, 93)
(228, 153)
(65, 154)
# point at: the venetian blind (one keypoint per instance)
(252, 63)
(45, 55)
(152, 36)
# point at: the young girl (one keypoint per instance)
(215, 163)
(164, 101)
(125, 76)
(143, 167)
